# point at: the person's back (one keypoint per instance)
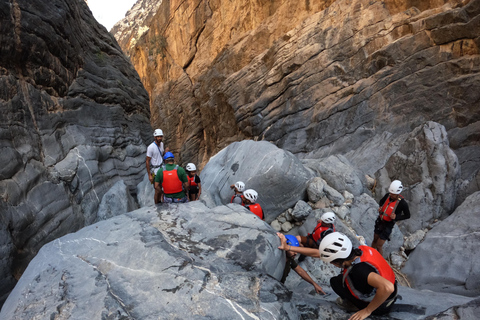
(324, 227)
(238, 187)
(173, 180)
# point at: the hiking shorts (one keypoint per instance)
(175, 200)
(384, 228)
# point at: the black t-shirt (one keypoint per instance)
(402, 212)
(359, 277)
(289, 265)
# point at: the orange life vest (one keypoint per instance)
(388, 208)
(191, 181)
(317, 232)
(381, 266)
(171, 182)
(255, 208)
(238, 195)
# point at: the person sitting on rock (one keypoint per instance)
(154, 160)
(367, 282)
(194, 183)
(324, 227)
(173, 180)
(392, 208)
(250, 197)
(238, 188)
(291, 264)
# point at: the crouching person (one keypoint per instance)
(367, 281)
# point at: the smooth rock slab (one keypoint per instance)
(178, 261)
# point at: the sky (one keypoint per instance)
(109, 12)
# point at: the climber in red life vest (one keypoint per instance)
(238, 188)
(291, 264)
(250, 198)
(367, 284)
(172, 180)
(154, 160)
(324, 227)
(393, 207)
(194, 183)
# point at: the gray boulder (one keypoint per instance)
(445, 260)
(466, 311)
(278, 176)
(318, 190)
(173, 261)
(301, 211)
(339, 173)
(145, 192)
(428, 169)
(116, 201)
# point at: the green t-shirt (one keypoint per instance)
(182, 175)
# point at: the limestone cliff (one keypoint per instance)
(314, 77)
(73, 122)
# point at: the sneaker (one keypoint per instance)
(347, 305)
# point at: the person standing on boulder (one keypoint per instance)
(392, 208)
(250, 198)
(291, 264)
(172, 180)
(367, 284)
(154, 160)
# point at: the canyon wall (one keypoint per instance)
(315, 78)
(74, 121)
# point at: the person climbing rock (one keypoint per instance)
(154, 159)
(367, 282)
(291, 264)
(324, 227)
(250, 198)
(238, 188)
(392, 208)
(194, 183)
(172, 180)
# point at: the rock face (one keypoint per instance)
(444, 261)
(183, 261)
(278, 176)
(74, 121)
(314, 78)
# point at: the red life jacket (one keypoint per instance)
(255, 208)
(171, 182)
(381, 266)
(388, 208)
(317, 232)
(191, 181)
(238, 195)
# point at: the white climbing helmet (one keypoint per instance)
(240, 186)
(251, 195)
(395, 187)
(328, 217)
(334, 246)
(158, 133)
(191, 167)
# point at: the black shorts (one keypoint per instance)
(384, 228)
(193, 189)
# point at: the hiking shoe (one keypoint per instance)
(347, 305)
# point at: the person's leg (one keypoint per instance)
(379, 247)
(376, 237)
(157, 196)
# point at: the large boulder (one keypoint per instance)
(174, 261)
(74, 121)
(277, 175)
(445, 261)
(428, 169)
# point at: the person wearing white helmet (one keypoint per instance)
(392, 208)
(238, 188)
(155, 152)
(367, 283)
(325, 225)
(250, 198)
(194, 182)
